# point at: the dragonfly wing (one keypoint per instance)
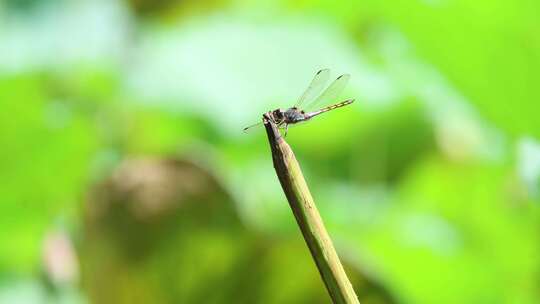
(315, 87)
(248, 128)
(331, 92)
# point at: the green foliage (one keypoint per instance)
(425, 183)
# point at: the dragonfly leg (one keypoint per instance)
(286, 129)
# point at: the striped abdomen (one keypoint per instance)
(335, 106)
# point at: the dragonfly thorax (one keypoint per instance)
(289, 116)
(294, 115)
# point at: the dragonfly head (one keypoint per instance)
(278, 115)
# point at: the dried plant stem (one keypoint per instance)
(308, 217)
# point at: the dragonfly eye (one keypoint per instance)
(278, 115)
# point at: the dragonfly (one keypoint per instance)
(312, 97)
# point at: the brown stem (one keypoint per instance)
(308, 217)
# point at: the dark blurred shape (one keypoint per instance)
(169, 8)
(24, 5)
(145, 199)
(166, 231)
(156, 231)
(148, 7)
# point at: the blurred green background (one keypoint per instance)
(125, 176)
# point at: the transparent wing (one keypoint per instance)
(331, 92)
(248, 128)
(315, 87)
